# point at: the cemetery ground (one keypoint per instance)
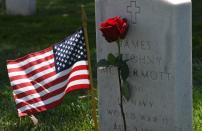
(54, 20)
(19, 35)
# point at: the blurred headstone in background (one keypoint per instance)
(20, 7)
(2, 4)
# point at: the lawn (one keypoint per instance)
(197, 64)
(19, 35)
(54, 20)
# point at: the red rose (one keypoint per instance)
(114, 28)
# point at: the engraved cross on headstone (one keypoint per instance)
(133, 9)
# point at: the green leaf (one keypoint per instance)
(111, 59)
(124, 71)
(119, 59)
(125, 90)
(103, 63)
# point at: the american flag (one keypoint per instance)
(40, 80)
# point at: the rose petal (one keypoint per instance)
(114, 28)
(110, 33)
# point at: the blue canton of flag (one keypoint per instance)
(69, 51)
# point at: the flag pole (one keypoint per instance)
(84, 23)
(34, 119)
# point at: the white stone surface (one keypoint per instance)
(159, 43)
(21, 7)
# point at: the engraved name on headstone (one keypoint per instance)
(158, 45)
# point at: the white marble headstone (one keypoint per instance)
(159, 43)
(21, 7)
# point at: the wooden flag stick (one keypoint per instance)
(84, 23)
(34, 119)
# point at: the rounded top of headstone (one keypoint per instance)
(177, 2)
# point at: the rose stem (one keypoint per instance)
(121, 98)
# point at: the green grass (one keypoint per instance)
(54, 20)
(19, 35)
(72, 115)
(197, 64)
(197, 106)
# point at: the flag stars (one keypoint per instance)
(69, 51)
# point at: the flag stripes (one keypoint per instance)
(36, 84)
(30, 58)
(50, 104)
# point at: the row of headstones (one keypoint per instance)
(20, 7)
(159, 45)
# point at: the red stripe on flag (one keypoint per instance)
(21, 95)
(37, 81)
(30, 64)
(32, 72)
(53, 104)
(78, 77)
(41, 108)
(42, 98)
(82, 67)
(29, 56)
(78, 87)
(41, 88)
